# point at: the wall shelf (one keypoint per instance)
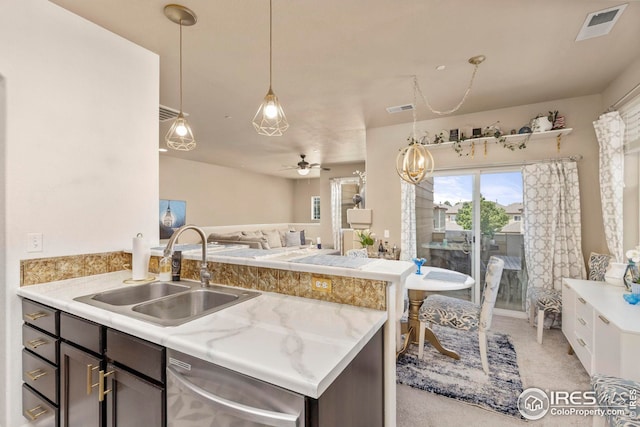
(509, 139)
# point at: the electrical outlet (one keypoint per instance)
(34, 242)
(386, 234)
(320, 284)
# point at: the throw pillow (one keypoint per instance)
(257, 233)
(261, 241)
(273, 238)
(598, 264)
(223, 236)
(293, 239)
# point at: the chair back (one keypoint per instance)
(490, 293)
(357, 253)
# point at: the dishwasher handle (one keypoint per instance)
(246, 412)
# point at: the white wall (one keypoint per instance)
(218, 195)
(383, 184)
(303, 190)
(81, 161)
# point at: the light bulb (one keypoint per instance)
(270, 110)
(303, 172)
(181, 129)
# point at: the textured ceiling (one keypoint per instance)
(337, 64)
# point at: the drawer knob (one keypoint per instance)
(35, 413)
(36, 373)
(35, 316)
(37, 343)
(604, 319)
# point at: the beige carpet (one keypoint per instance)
(546, 367)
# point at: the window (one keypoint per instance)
(315, 208)
(517, 218)
(630, 114)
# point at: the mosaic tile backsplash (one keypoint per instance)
(345, 290)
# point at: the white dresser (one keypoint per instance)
(602, 328)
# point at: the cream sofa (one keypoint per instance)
(258, 236)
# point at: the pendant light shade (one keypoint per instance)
(180, 136)
(270, 119)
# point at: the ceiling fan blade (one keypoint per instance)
(326, 169)
(314, 165)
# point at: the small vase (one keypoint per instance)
(631, 275)
(541, 124)
(615, 273)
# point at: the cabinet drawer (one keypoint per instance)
(34, 407)
(81, 332)
(42, 344)
(40, 375)
(584, 330)
(137, 354)
(583, 351)
(583, 309)
(40, 316)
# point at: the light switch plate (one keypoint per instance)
(320, 284)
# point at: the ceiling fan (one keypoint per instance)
(303, 168)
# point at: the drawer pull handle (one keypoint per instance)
(604, 319)
(582, 300)
(37, 343)
(90, 384)
(567, 286)
(582, 343)
(36, 412)
(36, 373)
(101, 391)
(35, 316)
(582, 321)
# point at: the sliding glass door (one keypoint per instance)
(478, 215)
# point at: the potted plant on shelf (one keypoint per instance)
(366, 238)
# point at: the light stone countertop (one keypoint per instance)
(296, 343)
(378, 269)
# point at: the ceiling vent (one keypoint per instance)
(400, 108)
(167, 113)
(600, 23)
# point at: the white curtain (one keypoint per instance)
(336, 212)
(551, 222)
(610, 133)
(408, 221)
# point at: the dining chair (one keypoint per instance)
(464, 315)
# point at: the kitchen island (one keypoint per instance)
(300, 344)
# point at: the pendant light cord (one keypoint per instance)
(457, 107)
(270, 42)
(181, 66)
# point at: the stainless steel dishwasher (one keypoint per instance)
(202, 394)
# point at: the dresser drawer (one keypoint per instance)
(83, 333)
(40, 316)
(137, 354)
(35, 408)
(584, 353)
(40, 375)
(584, 309)
(41, 343)
(584, 330)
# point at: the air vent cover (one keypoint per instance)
(167, 113)
(600, 23)
(400, 108)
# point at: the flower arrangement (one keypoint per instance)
(366, 237)
(633, 255)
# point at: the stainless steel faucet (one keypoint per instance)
(205, 275)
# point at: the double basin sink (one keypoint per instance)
(168, 303)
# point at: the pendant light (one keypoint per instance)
(270, 119)
(414, 162)
(180, 137)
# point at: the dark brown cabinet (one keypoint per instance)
(40, 364)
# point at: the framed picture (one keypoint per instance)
(454, 134)
(476, 133)
(173, 215)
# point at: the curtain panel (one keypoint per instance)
(336, 212)
(552, 228)
(610, 134)
(408, 221)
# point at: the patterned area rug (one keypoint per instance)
(464, 379)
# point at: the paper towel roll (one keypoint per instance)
(140, 258)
